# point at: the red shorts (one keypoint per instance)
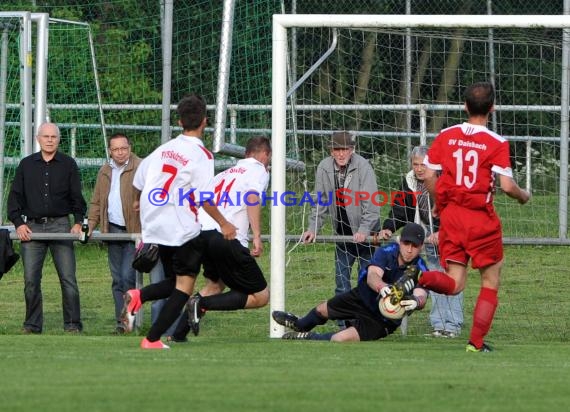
(466, 233)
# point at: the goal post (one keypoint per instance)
(282, 108)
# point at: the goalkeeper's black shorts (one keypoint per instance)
(349, 306)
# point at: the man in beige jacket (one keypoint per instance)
(112, 209)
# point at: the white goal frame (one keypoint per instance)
(282, 22)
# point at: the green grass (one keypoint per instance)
(233, 365)
(223, 374)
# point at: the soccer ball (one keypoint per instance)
(389, 310)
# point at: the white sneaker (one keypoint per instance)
(436, 334)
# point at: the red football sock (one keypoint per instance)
(437, 281)
(483, 315)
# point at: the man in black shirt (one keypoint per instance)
(45, 191)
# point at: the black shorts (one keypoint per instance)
(183, 260)
(349, 306)
(231, 262)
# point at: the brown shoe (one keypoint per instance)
(28, 331)
(72, 330)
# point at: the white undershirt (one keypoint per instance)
(114, 203)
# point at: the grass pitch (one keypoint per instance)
(233, 365)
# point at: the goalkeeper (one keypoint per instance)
(396, 263)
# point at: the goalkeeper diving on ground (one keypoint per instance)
(392, 273)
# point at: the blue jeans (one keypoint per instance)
(157, 275)
(345, 256)
(446, 311)
(63, 255)
(120, 257)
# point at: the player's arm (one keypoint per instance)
(254, 217)
(374, 279)
(137, 202)
(512, 189)
(228, 230)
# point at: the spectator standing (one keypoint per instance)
(341, 176)
(45, 191)
(446, 315)
(112, 209)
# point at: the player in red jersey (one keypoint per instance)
(468, 157)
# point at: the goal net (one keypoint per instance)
(395, 81)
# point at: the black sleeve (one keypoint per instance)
(16, 199)
(78, 205)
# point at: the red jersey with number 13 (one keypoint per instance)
(467, 156)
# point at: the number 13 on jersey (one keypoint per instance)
(466, 177)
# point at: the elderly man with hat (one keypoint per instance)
(341, 184)
(393, 264)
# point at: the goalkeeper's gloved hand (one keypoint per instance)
(410, 303)
(385, 291)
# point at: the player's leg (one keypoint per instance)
(193, 313)
(163, 282)
(316, 316)
(452, 235)
(340, 308)
(135, 298)
(212, 288)
(232, 263)
(486, 250)
(349, 334)
(258, 299)
(365, 327)
(241, 273)
(302, 326)
(185, 263)
(190, 317)
(486, 304)
(170, 311)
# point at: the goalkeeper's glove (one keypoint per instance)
(410, 303)
(385, 291)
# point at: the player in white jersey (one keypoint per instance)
(233, 187)
(237, 193)
(172, 180)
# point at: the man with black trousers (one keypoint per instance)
(45, 191)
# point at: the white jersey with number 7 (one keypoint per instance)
(172, 180)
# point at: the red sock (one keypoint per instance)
(483, 315)
(437, 281)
